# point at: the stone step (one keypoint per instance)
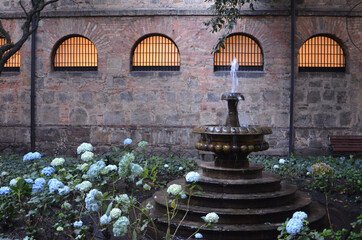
(269, 182)
(248, 200)
(239, 216)
(210, 170)
(267, 231)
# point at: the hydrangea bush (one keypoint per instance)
(76, 198)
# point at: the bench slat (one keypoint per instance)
(346, 143)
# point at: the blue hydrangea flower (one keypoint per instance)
(294, 226)
(29, 180)
(64, 190)
(30, 156)
(38, 187)
(48, 171)
(93, 201)
(198, 235)
(300, 215)
(40, 181)
(95, 170)
(78, 223)
(127, 141)
(54, 185)
(5, 190)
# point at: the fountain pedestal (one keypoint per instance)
(251, 203)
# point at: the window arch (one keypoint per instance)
(321, 53)
(75, 53)
(13, 63)
(245, 48)
(155, 53)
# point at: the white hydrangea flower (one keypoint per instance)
(13, 182)
(124, 165)
(84, 147)
(57, 162)
(87, 156)
(282, 161)
(300, 215)
(211, 218)
(108, 169)
(59, 229)
(83, 186)
(104, 220)
(180, 168)
(198, 235)
(115, 213)
(83, 166)
(275, 166)
(165, 166)
(120, 226)
(174, 189)
(142, 144)
(294, 226)
(136, 171)
(192, 177)
(93, 201)
(124, 201)
(146, 187)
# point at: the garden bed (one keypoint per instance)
(55, 212)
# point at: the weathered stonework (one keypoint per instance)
(106, 106)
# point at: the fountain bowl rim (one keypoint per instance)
(226, 130)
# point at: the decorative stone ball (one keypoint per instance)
(226, 148)
(211, 147)
(235, 148)
(218, 147)
(251, 148)
(244, 148)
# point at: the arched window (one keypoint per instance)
(321, 54)
(75, 53)
(155, 53)
(13, 63)
(245, 48)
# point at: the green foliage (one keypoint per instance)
(354, 233)
(227, 12)
(344, 179)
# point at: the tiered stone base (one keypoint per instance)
(251, 204)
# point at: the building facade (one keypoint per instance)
(106, 104)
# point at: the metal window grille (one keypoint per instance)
(321, 54)
(13, 63)
(156, 53)
(76, 54)
(245, 49)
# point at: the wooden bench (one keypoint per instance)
(345, 143)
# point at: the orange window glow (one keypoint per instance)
(156, 53)
(76, 54)
(244, 48)
(321, 53)
(13, 63)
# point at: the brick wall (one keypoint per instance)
(107, 106)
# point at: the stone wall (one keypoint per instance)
(107, 106)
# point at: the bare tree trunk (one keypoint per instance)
(9, 48)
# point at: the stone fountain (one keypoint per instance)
(250, 202)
